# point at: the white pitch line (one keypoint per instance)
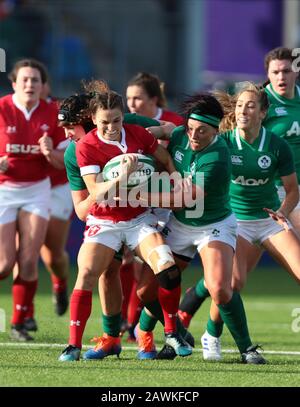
(133, 348)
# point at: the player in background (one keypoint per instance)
(258, 156)
(283, 114)
(107, 112)
(145, 96)
(28, 146)
(53, 253)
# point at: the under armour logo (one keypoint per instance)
(11, 129)
(77, 323)
(19, 307)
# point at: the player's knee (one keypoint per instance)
(87, 279)
(238, 284)
(220, 294)
(161, 257)
(169, 278)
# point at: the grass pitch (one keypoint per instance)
(271, 300)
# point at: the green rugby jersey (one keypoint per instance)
(254, 167)
(143, 121)
(73, 171)
(214, 162)
(283, 119)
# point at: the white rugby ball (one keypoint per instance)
(146, 169)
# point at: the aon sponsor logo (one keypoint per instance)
(294, 130)
(252, 182)
(23, 148)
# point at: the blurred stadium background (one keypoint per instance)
(190, 44)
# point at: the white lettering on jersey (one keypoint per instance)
(178, 156)
(281, 111)
(23, 148)
(294, 130)
(251, 182)
(237, 159)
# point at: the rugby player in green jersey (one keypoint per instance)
(197, 149)
(257, 156)
(283, 117)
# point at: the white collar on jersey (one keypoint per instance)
(121, 145)
(239, 142)
(277, 97)
(158, 114)
(23, 109)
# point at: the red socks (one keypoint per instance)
(80, 310)
(23, 293)
(58, 284)
(169, 301)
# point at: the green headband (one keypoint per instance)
(207, 118)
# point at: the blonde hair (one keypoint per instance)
(229, 102)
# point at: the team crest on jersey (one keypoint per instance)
(11, 129)
(178, 156)
(281, 111)
(215, 233)
(140, 151)
(237, 159)
(264, 161)
(45, 127)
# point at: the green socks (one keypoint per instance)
(234, 316)
(112, 324)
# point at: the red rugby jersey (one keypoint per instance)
(93, 152)
(58, 177)
(19, 134)
(169, 116)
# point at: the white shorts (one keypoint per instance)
(281, 195)
(258, 230)
(188, 240)
(61, 202)
(114, 235)
(162, 216)
(34, 199)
